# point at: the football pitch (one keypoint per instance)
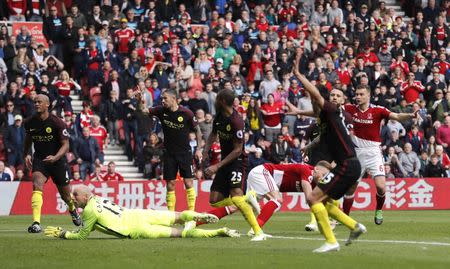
(412, 239)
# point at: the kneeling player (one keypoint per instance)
(109, 218)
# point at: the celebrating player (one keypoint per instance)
(226, 189)
(177, 122)
(50, 138)
(333, 182)
(107, 217)
(366, 137)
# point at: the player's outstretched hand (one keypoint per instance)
(28, 162)
(52, 231)
(50, 159)
(210, 171)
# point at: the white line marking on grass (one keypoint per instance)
(12, 231)
(370, 241)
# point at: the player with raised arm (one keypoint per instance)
(104, 216)
(177, 122)
(333, 182)
(367, 120)
(226, 189)
(50, 138)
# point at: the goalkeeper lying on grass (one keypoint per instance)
(109, 218)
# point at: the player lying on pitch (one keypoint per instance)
(102, 215)
(269, 180)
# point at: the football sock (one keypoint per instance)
(71, 205)
(200, 233)
(337, 214)
(380, 200)
(225, 202)
(219, 212)
(321, 214)
(267, 211)
(313, 218)
(336, 203)
(247, 211)
(187, 215)
(36, 205)
(171, 200)
(190, 195)
(348, 203)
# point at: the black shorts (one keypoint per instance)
(57, 171)
(229, 177)
(174, 162)
(341, 178)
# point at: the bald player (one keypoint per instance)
(104, 216)
(50, 138)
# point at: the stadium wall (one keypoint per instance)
(402, 194)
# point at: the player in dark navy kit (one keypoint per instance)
(226, 189)
(334, 182)
(177, 122)
(50, 139)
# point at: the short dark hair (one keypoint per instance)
(226, 96)
(171, 92)
(363, 87)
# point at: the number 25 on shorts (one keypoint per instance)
(236, 177)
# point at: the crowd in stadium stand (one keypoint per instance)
(118, 56)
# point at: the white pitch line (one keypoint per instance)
(12, 231)
(371, 241)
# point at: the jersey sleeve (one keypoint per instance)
(238, 129)
(329, 107)
(306, 173)
(62, 132)
(384, 112)
(89, 220)
(156, 111)
(191, 119)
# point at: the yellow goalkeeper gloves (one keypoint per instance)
(52, 231)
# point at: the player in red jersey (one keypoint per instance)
(367, 120)
(269, 180)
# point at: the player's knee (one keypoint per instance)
(170, 185)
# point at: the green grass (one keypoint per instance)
(19, 249)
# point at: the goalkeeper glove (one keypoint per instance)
(52, 231)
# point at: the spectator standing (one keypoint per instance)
(87, 153)
(100, 134)
(53, 32)
(271, 112)
(443, 134)
(14, 142)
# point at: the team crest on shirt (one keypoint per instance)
(228, 127)
(180, 119)
(369, 116)
(48, 130)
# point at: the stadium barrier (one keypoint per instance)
(402, 194)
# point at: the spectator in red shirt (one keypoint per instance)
(64, 86)
(369, 57)
(100, 134)
(443, 65)
(112, 175)
(123, 37)
(443, 134)
(411, 89)
(272, 118)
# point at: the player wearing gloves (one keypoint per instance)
(102, 215)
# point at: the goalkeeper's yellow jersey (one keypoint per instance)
(103, 215)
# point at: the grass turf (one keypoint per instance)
(18, 249)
